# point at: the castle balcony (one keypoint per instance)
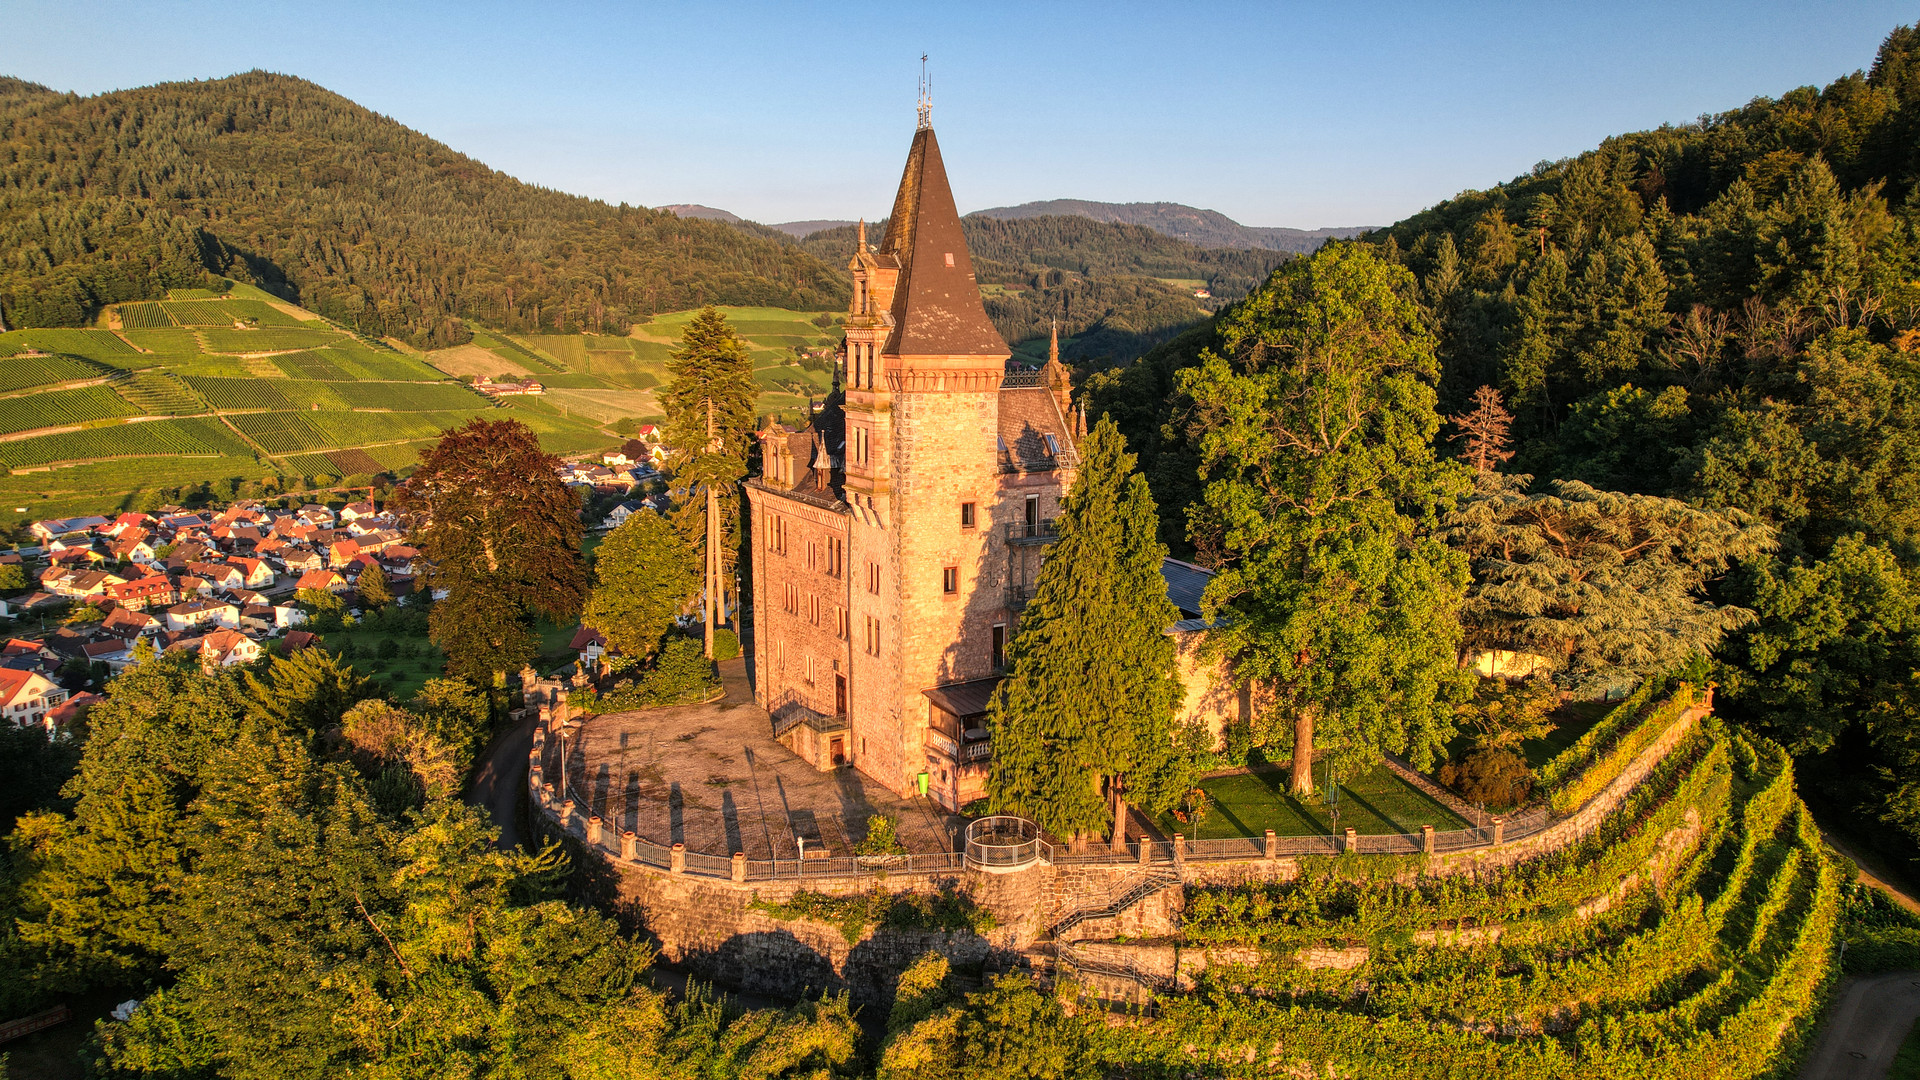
(1019, 595)
(957, 721)
(1041, 531)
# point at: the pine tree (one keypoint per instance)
(709, 406)
(645, 577)
(502, 535)
(1485, 430)
(1315, 431)
(1093, 689)
(373, 588)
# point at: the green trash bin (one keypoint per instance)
(923, 778)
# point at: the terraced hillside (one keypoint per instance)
(601, 379)
(232, 388)
(1690, 933)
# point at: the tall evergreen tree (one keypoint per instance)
(1608, 586)
(644, 577)
(1315, 428)
(502, 535)
(709, 406)
(1093, 688)
(373, 588)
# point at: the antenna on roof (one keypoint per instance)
(926, 95)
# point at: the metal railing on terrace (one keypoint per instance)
(1043, 531)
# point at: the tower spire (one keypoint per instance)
(863, 235)
(926, 95)
(1053, 348)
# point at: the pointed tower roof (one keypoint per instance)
(936, 305)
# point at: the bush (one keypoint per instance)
(882, 837)
(1498, 778)
(681, 674)
(726, 645)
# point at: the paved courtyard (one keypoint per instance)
(710, 776)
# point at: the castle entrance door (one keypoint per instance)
(838, 748)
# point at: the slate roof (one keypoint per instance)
(936, 304)
(1028, 417)
(1185, 583)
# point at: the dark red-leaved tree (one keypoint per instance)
(1486, 428)
(502, 535)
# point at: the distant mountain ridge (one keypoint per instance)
(1205, 228)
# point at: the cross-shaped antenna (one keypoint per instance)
(926, 95)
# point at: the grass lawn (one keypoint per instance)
(1249, 803)
(406, 673)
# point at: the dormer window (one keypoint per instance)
(1052, 444)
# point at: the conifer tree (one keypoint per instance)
(709, 406)
(645, 576)
(1093, 689)
(502, 535)
(1315, 430)
(1485, 429)
(373, 588)
(1609, 587)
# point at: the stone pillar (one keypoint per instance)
(1499, 830)
(534, 772)
(1179, 848)
(679, 859)
(561, 712)
(546, 795)
(566, 814)
(593, 830)
(739, 868)
(1426, 839)
(1272, 847)
(1353, 841)
(1146, 851)
(629, 845)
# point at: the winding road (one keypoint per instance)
(1869, 1020)
(500, 780)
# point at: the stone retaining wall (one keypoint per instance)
(705, 923)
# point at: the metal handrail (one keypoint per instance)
(1005, 841)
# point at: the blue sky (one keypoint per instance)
(1275, 114)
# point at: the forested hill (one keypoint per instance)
(273, 180)
(1207, 228)
(1725, 312)
(1116, 289)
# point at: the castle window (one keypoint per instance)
(999, 654)
(792, 604)
(966, 515)
(841, 629)
(949, 258)
(810, 672)
(836, 556)
(813, 610)
(873, 577)
(950, 579)
(873, 635)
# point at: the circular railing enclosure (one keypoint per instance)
(1003, 843)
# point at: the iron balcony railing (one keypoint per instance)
(1043, 531)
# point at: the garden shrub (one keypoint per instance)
(1498, 778)
(726, 645)
(1880, 934)
(882, 837)
(949, 911)
(679, 675)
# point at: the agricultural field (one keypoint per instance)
(264, 393)
(26, 372)
(58, 408)
(191, 436)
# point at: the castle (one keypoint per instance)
(897, 536)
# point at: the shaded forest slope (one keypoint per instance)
(274, 181)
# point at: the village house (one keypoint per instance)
(129, 624)
(47, 531)
(219, 575)
(26, 696)
(254, 573)
(330, 580)
(78, 584)
(225, 648)
(202, 612)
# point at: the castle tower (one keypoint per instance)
(891, 566)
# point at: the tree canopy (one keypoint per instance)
(1092, 689)
(1610, 587)
(1314, 425)
(644, 577)
(501, 533)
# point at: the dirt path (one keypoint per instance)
(1869, 1020)
(1873, 871)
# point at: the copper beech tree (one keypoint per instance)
(502, 535)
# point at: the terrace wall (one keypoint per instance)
(697, 908)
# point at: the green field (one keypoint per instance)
(60, 407)
(312, 399)
(1249, 803)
